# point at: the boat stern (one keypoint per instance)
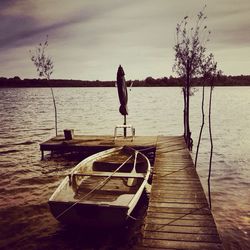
(92, 216)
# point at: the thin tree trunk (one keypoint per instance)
(184, 113)
(187, 110)
(202, 126)
(54, 102)
(211, 146)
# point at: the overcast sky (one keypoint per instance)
(88, 39)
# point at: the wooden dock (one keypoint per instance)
(178, 215)
(95, 143)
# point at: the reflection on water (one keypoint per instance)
(27, 119)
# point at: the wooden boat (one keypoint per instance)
(102, 190)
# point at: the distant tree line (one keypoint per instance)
(223, 80)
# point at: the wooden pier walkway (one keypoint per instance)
(178, 215)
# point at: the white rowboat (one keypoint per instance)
(102, 190)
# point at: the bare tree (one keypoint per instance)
(208, 71)
(214, 73)
(191, 61)
(189, 57)
(44, 66)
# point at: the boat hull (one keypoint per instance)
(89, 216)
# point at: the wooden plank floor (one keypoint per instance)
(95, 143)
(178, 216)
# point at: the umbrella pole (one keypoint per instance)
(125, 130)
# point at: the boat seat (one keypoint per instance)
(103, 166)
(107, 174)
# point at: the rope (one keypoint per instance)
(145, 149)
(101, 184)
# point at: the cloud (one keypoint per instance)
(89, 39)
(18, 28)
(23, 19)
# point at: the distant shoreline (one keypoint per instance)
(16, 82)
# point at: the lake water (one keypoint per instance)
(27, 119)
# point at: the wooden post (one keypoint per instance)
(42, 158)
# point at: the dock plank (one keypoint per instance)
(179, 210)
(181, 229)
(178, 215)
(91, 144)
(213, 238)
(95, 142)
(175, 244)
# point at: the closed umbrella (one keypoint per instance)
(123, 94)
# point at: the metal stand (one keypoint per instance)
(125, 127)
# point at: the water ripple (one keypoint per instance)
(27, 119)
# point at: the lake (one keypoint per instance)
(27, 119)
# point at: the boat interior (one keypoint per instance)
(110, 178)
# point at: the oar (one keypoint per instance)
(132, 181)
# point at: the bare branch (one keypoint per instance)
(43, 63)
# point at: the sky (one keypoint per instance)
(89, 39)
